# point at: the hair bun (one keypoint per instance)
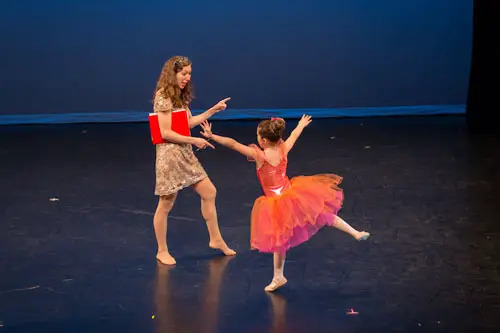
(277, 126)
(272, 129)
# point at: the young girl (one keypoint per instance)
(291, 211)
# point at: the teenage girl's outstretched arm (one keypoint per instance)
(197, 120)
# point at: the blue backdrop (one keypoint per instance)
(99, 57)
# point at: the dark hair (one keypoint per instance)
(167, 84)
(272, 129)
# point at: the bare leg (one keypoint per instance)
(207, 192)
(340, 224)
(279, 265)
(165, 205)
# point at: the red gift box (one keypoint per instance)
(178, 124)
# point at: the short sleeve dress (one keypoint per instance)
(176, 165)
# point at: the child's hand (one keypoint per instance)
(207, 129)
(305, 120)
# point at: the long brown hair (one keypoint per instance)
(167, 82)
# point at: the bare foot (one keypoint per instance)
(221, 245)
(276, 283)
(362, 235)
(165, 258)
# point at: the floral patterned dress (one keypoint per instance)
(176, 165)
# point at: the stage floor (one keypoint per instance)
(77, 248)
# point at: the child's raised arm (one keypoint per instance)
(303, 122)
(227, 142)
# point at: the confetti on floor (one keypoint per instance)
(352, 312)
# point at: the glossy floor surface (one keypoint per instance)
(77, 248)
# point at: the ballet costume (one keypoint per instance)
(292, 210)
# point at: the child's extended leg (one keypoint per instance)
(279, 279)
(339, 223)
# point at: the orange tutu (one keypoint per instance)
(309, 203)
